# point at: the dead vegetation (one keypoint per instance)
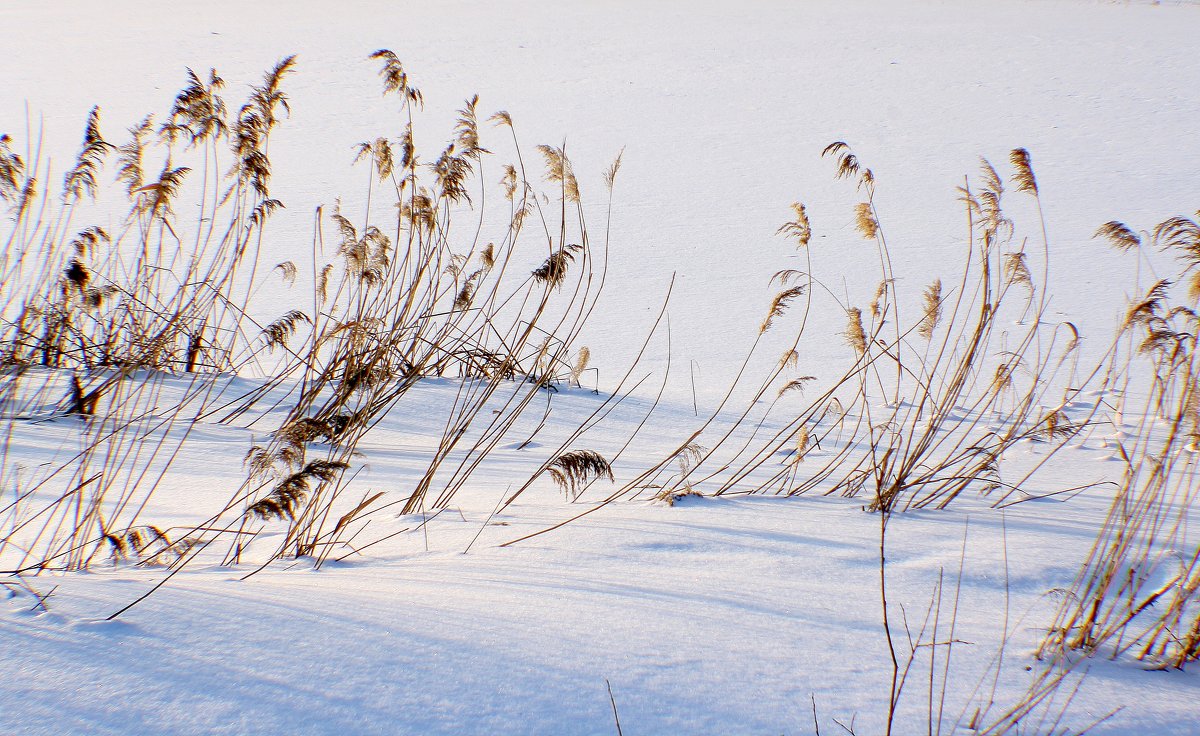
(925, 409)
(1135, 595)
(121, 315)
(938, 385)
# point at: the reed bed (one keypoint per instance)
(95, 323)
(1135, 594)
(930, 401)
(125, 339)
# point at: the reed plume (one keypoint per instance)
(199, 111)
(610, 174)
(284, 498)
(12, 169)
(796, 384)
(933, 309)
(1119, 236)
(802, 440)
(799, 228)
(855, 335)
(395, 79)
(581, 364)
(553, 270)
(1183, 236)
(281, 330)
(558, 169)
(1016, 270)
(878, 299)
(1023, 176)
(571, 470)
(779, 305)
(864, 220)
(81, 178)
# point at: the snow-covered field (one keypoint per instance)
(737, 613)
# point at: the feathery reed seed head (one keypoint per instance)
(932, 309)
(1023, 176)
(864, 220)
(856, 336)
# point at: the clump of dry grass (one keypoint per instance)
(919, 423)
(412, 303)
(1135, 593)
(402, 300)
(96, 319)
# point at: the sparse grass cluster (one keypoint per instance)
(127, 336)
(95, 323)
(931, 400)
(1137, 592)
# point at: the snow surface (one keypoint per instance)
(728, 615)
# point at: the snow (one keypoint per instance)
(715, 615)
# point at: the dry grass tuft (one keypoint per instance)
(1016, 270)
(1135, 594)
(12, 169)
(558, 169)
(796, 384)
(918, 425)
(802, 443)
(81, 179)
(281, 330)
(610, 174)
(113, 317)
(395, 79)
